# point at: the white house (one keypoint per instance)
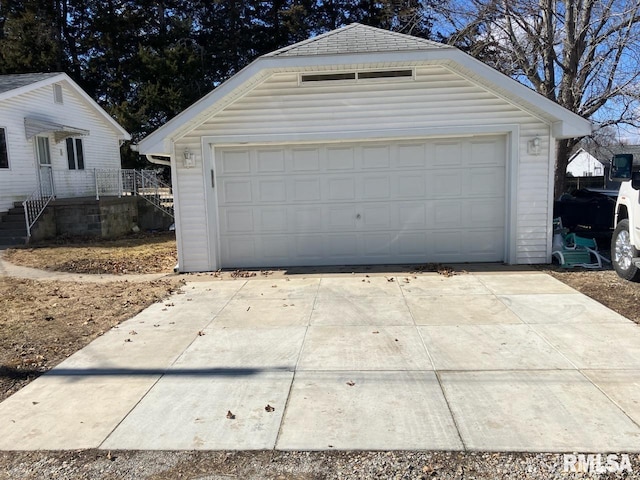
(583, 164)
(364, 146)
(53, 137)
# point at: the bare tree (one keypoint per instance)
(582, 54)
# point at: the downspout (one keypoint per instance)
(157, 161)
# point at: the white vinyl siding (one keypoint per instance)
(101, 146)
(437, 100)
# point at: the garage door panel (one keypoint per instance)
(307, 219)
(340, 158)
(447, 184)
(240, 250)
(446, 244)
(375, 187)
(340, 188)
(485, 153)
(305, 190)
(410, 185)
(236, 191)
(309, 248)
(342, 217)
(271, 190)
(376, 157)
(447, 154)
(376, 202)
(410, 156)
(274, 249)
(342, 246)
(305, 160)
(413, 215)
(238, 220)
(485, 213)
(235, 162)
(273, 219)
(270, 161)
(482, 243)
(375, 217)
(484, 181)
(447, 214)
(377, 244)
(412, 244)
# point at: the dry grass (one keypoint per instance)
(141, 254)
(42, 323)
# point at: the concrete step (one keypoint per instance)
(12, 218)
(19, 239)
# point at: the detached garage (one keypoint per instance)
(363, 146)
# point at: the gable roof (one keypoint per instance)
(12, 82)
(356, 38)
(358, 44)
(17, 84)
(581, 151)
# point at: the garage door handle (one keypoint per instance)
(213, 179)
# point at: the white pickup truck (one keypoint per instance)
(625, 242)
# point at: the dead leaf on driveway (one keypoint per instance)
(200, 333)
(375, 331)
(351, 383)
(230, 415)
(133, 332)
(269, 408)
(390, 279)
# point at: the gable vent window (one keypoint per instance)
(385, 74)
(57, 93)
(325, 77)
(370, 75)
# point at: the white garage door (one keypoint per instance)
(371, 202)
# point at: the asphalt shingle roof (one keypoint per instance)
(11, 82)
(356, 38)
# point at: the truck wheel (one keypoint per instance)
(622, 253)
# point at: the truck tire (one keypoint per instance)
(623, 251)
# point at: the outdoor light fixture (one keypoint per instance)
(533, 146)
(189, 158)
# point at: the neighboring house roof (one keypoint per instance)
(582, 152)
(603, 153)
(12, 82)
(13, 85)
(358, 44)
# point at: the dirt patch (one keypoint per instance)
(606, 287)
(42, 323)
(137, 254)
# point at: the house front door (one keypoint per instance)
(45, 174)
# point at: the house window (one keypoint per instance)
(75, 154)
(57, 93)
(4, 156)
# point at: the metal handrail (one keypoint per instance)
(33, 206)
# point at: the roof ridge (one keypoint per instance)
(312, 39)
(400, 34)
(356, 38)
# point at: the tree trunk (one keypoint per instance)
(563, 152)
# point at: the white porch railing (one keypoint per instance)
(99, 183)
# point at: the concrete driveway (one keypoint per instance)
(506, 361)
